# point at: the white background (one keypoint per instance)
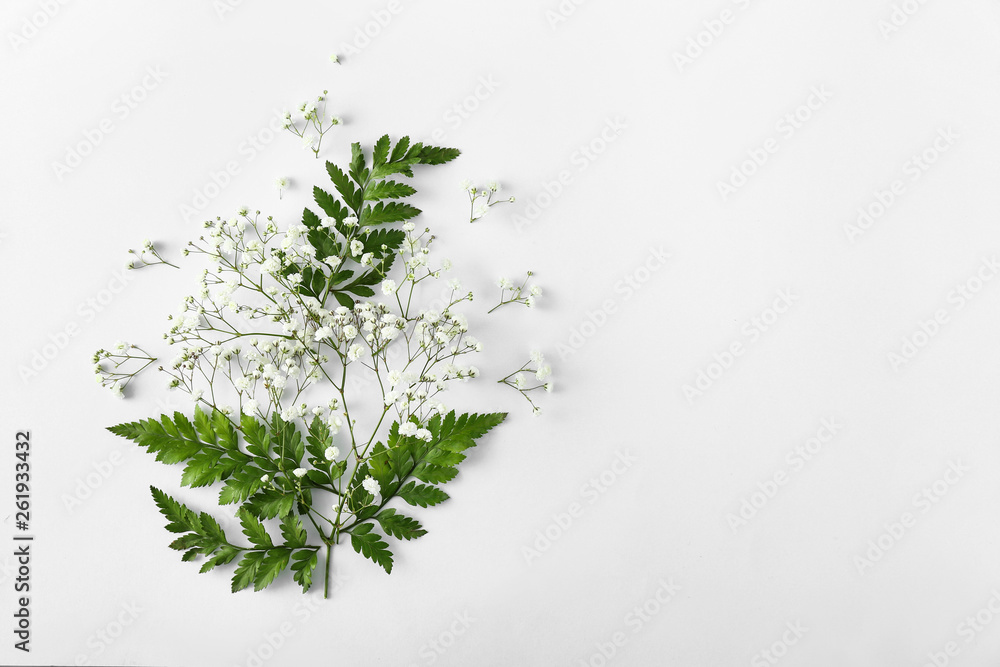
(561, 77)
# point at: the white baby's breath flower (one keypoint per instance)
(350, 221)
(388, 287)
(370, 485)
(299, 472)
(356, 351)
(407, 429)
(357, 248)
(537, 356)
(331, 453)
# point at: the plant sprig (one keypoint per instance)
(519, 381)
(147, 256)
(313, 124)
(511, 293)
(108, 366)
(481, 200)
(317, 406)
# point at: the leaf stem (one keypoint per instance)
(326, 580)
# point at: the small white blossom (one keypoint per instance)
(370, 485)
(299, 472)
(331, 453)
(388, 287)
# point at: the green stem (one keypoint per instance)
(326, 580)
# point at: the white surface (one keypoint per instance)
(655, 185)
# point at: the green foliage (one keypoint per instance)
(259, 565)
(362, 190)
(278, 474)
(371, 546)
(276, 448)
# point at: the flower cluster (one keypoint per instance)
(511, 293)
(481, 199)
(147, 256)
(520, 381)
(312, 123)
(112, 367)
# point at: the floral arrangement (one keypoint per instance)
(317, 369)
